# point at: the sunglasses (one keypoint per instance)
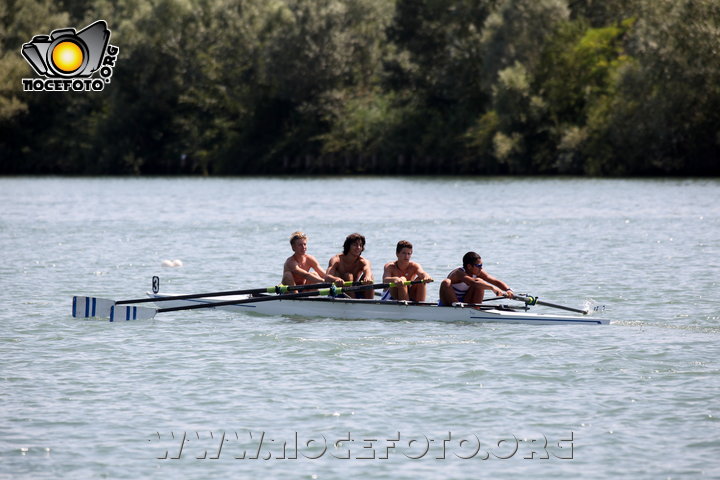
(479, 265)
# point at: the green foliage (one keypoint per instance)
(677, 78)
(601, 13)
(374, 86)
(580, 65)
(516, 31)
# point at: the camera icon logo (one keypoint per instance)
(68, 59)
(66, 53)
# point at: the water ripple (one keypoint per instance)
(89, 399)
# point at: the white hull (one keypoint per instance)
(372, 309)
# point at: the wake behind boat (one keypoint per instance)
(361, 309)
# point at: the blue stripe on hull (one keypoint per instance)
(528, 320)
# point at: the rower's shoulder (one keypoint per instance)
(459, 271)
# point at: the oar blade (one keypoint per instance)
(89, 307)
(119, 313)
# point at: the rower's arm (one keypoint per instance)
(481, 280)
(490, 280)
(422, 274)
(389, 274)
(367, 271)
(289, 266)
(331, 275)
(293, 267)
(316, 266)
(298, 271)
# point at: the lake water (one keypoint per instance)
(324, 398)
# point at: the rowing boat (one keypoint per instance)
(361, 309)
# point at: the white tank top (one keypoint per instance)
(462, 287)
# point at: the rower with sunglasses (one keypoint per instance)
(467, 284)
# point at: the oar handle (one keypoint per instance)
(384, 285)
(531, 300)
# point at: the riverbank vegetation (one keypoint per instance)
(582, 87)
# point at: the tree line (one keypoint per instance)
(228, 87)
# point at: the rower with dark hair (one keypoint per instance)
(467, 284)
(401, 270)
(350, 266)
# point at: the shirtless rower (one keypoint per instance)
(401, 270)
(350, 266)
(297, 268)
(468, 283)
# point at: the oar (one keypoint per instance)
(86, 307)
(530, 300)
(144, 313)
(495, 298)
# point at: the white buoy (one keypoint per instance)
(172, 263)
